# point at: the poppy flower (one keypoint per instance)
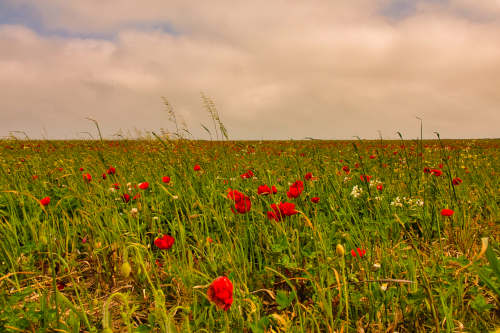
(137, 196)
(81, 169)
(87, 177)
(103, 176)
(165, 179)
(144, 185)
(447, 212)
(280, 210)
(45, 201)
(116, 186)
(165, 242)
(456, 181)
(111, 171)
(308, 176)
(436, 172)
(196, 168)
(126, 197)
(360, 252)
(314, 199)
(263, 190)
(380, 187)
(247, 175)
(372, 157)
(295, 189)
(242, 203)
(346, 169)
(427, 170)
(365, 178)
(220, 292)
(34, 177)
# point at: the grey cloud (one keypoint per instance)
(274, 70)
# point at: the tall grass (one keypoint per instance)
(87, 262)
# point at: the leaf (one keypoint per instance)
(480, 305)
(280, 245)
(493, 260)
(260, 325)
(284, 299)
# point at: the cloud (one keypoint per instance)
(275, 69)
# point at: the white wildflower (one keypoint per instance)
(356, 191)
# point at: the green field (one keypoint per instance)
(90, 259)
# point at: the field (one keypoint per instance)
(359, 236)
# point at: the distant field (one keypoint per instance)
(346, 236)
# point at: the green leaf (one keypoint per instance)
(284, 299)
(479, 304)
(260, 325)
(493, 260)
(281, 245)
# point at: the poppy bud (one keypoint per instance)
(126, 269)
(340, 250)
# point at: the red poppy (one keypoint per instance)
(196, 168)
(447, 212)
(45, 201)
(380, 187)
(308, 176)
(281, 210)
(165, 179)
(247, 175)
(126, 197)
(263, 190)
(34, 177)
(361, 252)
(87, 177)
(116, 186)
(346, 169)
(372, 157)
(315, 199)
(144, 185)
(436, 172)
(137, 196)
(365, 178)
(220, 292)
(111, 171)
(103, 176)
(164, 242)
(242, 203)
(440, 166)
(81, 169)
(457, 181)
(295, 189)
(427, 170)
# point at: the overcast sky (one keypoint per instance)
(275, 69)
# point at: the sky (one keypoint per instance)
(275, 69)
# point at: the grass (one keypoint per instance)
(87, 261)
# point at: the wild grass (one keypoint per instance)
(64, 266)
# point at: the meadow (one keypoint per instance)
(249, 236)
